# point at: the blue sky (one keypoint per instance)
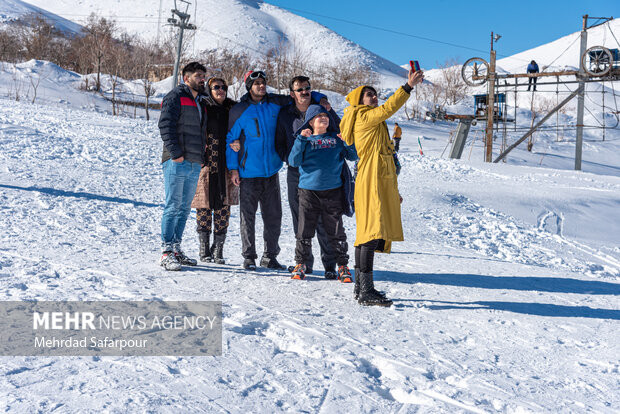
(523, 25)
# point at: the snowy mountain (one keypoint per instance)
(247, 26)
(11, 10)
(505, 289)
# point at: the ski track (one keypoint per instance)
(492, 313)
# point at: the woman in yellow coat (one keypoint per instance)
(377, 201)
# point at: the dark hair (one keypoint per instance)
(300, 79)
(364, 90)
(210, 82)
(193, 67)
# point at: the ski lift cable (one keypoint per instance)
(309, 71)
(577, 37)
(395, 32)
(612, 33)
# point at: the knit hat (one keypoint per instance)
(251, 76)
(313, 110)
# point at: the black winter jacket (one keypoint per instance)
(181, 128)
(289, 121)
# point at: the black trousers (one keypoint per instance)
(326, 205)
(365, 255)
(531, 81)
(266, 193)
(396, 144)
(328, 257)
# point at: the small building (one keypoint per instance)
(481, 103)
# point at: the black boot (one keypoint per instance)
(205, 252)
(217, 250)
(368, 295)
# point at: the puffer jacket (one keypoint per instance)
(254, 125)
(182, 130)
(289, 121)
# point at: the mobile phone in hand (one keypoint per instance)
(415, 65)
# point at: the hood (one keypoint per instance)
(313, 110)
(350, 113)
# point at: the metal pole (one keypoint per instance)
(175, 75)
(542, 121)
(580, 97)
(490, 109)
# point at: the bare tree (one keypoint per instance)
(451, 81)
(98, 42)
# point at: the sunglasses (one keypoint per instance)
(218, 87)
(258, 74)
(307, 88)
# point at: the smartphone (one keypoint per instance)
(415, 65)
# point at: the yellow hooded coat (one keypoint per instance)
(377, 201)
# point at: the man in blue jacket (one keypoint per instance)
(252, 159)
(532, 68)
(291, 117)
(183, 125)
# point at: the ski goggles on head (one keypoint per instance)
(257, 74)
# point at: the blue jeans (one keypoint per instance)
(180, 180)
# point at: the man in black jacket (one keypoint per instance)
(182, 124)
(290, 118)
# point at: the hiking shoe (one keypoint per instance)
(308, 269)
(299, 272)
(271, 263)
(249, 264)
(184, 260)
(344, 275)
(169, 261)
(331, 274)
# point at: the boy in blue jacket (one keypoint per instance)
(320, 156)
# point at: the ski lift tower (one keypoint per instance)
(182, 24)
(595, 64)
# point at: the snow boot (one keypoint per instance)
(299, 272)
(169, 261)
(217, 250)
(249, 264)
(344, 275)
(356, 288)
(271, 263)
(368, 295)
(203, 244)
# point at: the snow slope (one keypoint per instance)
(11, 10)
(506, 288)
(248, 26)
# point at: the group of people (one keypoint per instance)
(218, 153)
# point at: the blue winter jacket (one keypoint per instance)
(320, 159)
(254, 125)
(532, 68)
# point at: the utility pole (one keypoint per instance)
(491, 103)
(580, 97)
(182, 24)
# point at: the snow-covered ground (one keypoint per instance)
(505, 290)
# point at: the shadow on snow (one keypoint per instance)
(88, 196)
